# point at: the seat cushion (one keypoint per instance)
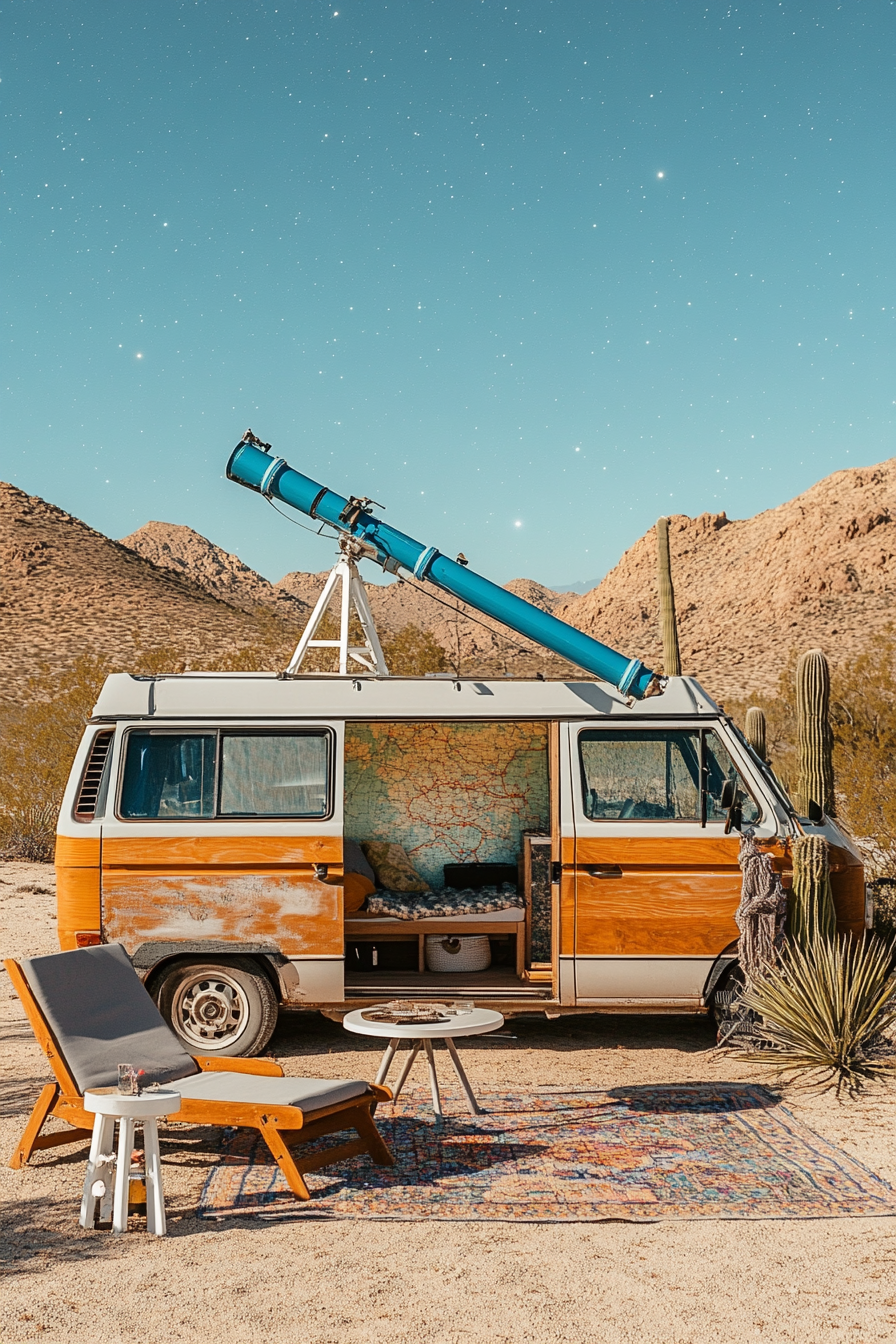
(309, 1094)
(101, 1016)
(355, 889)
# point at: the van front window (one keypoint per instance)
(169, 775)
(652, 775)
(655, 775)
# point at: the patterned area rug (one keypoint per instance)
(633, 1154)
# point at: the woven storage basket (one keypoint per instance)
(457, 954)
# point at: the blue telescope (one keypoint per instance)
(251, 464)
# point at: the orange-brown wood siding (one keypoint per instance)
(77, 851)
(676, 896)
(77, 903)
(160, 851)
(660, 851)
(656, 914)
(230, 888)
(77, 860)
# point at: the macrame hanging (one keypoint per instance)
(761, 913)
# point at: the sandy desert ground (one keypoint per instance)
(350, 1283)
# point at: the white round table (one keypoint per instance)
(475, 1022)
(108, 1106)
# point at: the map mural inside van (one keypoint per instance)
(448, 792)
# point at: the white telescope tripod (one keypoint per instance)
(353, 596)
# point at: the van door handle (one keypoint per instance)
(604, 870)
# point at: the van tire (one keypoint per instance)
(227, 1008)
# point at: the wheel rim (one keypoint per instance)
(210, 1010)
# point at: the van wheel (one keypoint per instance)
(734, 1022)
(218, 1008)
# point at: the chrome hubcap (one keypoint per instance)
(210, 1010)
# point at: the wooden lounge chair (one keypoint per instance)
(90, 1013)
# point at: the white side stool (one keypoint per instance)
(109, 1105)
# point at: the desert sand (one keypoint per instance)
(243, 1281)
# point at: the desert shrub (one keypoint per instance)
(413, 652)
(863, 714)
(39, 738)
(824, 1009)
(863, 720)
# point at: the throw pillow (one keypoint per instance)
(394, 870)
(354, 861)
(356, 888)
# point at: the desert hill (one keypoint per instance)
(66, 590)
(178, 548)
(470, 640)
(818, 571)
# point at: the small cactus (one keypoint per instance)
(668, 626)
(754, 731)
(813, 694)
(811, 911)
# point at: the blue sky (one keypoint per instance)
(529, 274)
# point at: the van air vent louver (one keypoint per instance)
(85, 807)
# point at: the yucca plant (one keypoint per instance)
(824, 1008)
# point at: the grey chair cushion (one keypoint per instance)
(101, 1016)
(355, 860)
(310, 1094)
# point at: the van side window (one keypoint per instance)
(641, 775)
(274, 775)
(719, 767)
(169, 775)
(655, 775)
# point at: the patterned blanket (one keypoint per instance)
(443, 904)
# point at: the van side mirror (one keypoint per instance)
(728, 801)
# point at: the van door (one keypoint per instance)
(657, 881)
(220, 838)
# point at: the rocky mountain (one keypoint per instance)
(66, 590)
(174, 547)
(818, 571)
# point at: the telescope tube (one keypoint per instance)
(274, 477)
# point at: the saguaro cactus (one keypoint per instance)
(754, 731)
(813, 695)
(668, 626)
(811, 904)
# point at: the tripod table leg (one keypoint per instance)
(464, 1081)
(155, 1195)
(386, 1061)
(402, 1077)
(433, 1080)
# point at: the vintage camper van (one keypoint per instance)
(207, 819)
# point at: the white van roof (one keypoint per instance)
(267, 695)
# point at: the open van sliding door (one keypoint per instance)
(656, 878)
